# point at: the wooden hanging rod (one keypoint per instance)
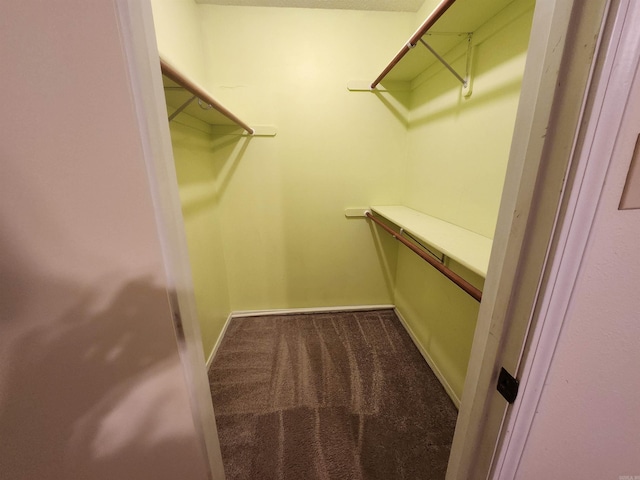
(446, 271)
(415, 38)
(170, 72)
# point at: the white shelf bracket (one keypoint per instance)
(466, 80)
(467, 86)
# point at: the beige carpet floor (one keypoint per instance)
(328, 396)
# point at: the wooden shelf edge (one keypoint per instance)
(467, 248)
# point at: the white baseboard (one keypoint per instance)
(357, 308)
(429, 360)
(214, 350)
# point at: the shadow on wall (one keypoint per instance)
(88, 390)
(231, 149)
(396, 99)
(205, 164)
(497, 92)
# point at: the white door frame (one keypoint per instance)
(606, 106)
(558, 68)
(137, 30)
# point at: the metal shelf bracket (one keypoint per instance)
(181, 108)
(466, 80)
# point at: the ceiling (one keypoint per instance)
(373, 5)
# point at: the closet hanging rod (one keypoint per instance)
(194, 89)
(446, 271)
(442, 7)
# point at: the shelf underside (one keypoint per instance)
(467, 248)
(176, 96)
(464, 16)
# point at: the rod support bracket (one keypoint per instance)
(467, 87)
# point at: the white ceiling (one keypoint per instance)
(375, 5)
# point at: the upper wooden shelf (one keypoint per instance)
(464, 246)
(178, 89)
(446, 27)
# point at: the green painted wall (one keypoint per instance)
(180, 42)
(457, 156)
(459, 147)
(286, 240)
(270, 210)
(199, 181)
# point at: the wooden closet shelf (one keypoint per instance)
(179, 89)
(444, 29)
(464, 246)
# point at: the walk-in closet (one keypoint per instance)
(343, 159)
(334, 133)
(319, 239)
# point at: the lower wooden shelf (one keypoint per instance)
(463, 246)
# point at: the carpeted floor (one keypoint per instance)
(328, 396)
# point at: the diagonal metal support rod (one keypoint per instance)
(444, 62)
(181, 108)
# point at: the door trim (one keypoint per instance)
(137, 31)
(606, 108)
(563, 38)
